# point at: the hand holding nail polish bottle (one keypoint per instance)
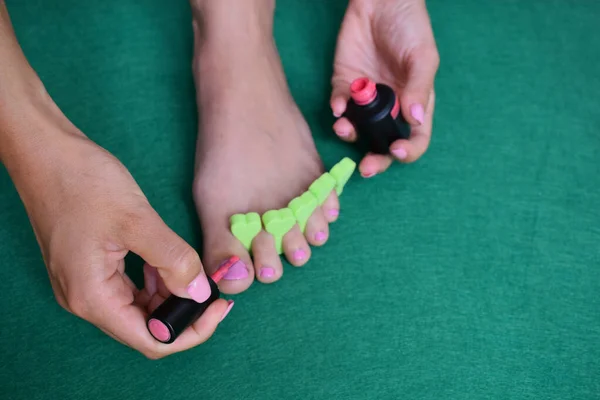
(374, 110)
(176, 314)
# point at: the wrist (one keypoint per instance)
(32, 133)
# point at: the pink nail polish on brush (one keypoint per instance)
(176, 314)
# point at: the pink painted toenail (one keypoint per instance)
(320, 236)
(227, 311)
(334, 212)
(299, 255)
(369, 175)
(267, 272)
(236, 272)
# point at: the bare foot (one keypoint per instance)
(255, 150)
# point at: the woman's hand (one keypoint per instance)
(390, 42)
(88, 213)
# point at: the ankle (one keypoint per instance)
(232, 23)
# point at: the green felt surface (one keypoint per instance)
(472, 274)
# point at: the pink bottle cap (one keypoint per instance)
(363, 91)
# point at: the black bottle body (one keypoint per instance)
(178, 313)
(380, 122)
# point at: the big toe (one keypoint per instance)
(219, 246)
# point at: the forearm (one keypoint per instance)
(29, 120)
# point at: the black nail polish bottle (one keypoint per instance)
(374, 111)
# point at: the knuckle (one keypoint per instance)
(185, 259)
(129, 223)
(78, 304)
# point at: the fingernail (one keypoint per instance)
(267, 272)
(231, 303)
(199, 289)
(400, 153)
(417, 112)
(343, 134)
(336, 114)
(236, 272)
(369, 175)
(299, 255)
(320, 236)
(150, 279)
(334, 212)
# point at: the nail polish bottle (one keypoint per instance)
(176, 314)
(374, 111)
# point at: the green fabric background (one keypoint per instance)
(472, 274)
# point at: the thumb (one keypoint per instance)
(176, 261)
(422, 65)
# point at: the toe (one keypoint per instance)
(317, 228)
(295, 248)
(218, 249)
(331, 207)
(267, 263)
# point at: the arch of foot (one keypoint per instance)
(245, 227)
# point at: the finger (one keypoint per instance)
(150, 279)
(373, 164)
(410, 150)
(422, 66)
(344, 130)
(340, 94)
(128, 325)
(112, 308)
(178, 264)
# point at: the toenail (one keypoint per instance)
(267, 272)
(344, 134)
(299, 255)
(320, 236)
(369, 175)
(231, 303)
(334, 212)
(236, 272)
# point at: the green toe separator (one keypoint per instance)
(245, 227)
(302, 207)
(322, 187)
(278, 223)
(342, 172)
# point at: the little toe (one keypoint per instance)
(217, 250)
(267, 263)
(331, 207)
(317, 228)
(295, 248)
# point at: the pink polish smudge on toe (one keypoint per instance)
(231, 303)
(334, 212)
(267, 272)
(320, 236)
(299, 255)
(159, 330)
(236, 272)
